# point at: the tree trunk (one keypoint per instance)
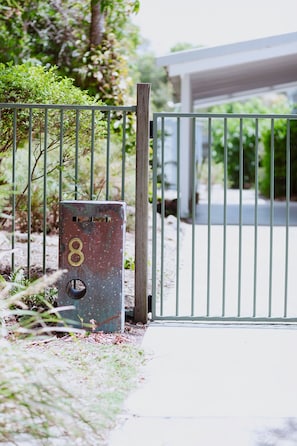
(97, 23)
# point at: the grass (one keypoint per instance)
(67, 389)
(59, 391)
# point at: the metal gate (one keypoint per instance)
(224, 217)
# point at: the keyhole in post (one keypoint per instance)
(76, 288)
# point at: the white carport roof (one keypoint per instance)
(234, 71)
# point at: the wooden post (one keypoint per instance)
(141, 205)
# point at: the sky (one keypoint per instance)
(212, 22)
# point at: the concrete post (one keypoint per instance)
(186, 107)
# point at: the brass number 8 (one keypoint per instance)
(75, 251)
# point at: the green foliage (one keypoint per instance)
(233, 138)
(41, 301)
(33, 401)
(129, 263)
(57, 33)
(29, 84)
(161, 89)
(280, 159)
(34, 84)
(183, 46)
(16, 303)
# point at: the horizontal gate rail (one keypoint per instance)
(103, 108)
(231, 256)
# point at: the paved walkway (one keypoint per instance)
(248, 208)
(214, 386)
(216, 272)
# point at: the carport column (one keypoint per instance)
(185, 163)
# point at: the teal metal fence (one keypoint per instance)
(50, 153)
(224, 217)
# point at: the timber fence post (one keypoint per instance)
(141, 203)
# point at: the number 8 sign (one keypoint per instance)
(76, 256)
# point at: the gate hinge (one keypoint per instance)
(151, 129)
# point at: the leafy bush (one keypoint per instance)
(255, 106)
(66, 150)
(40, 133)
(29, 84)
(280, 160)
(233, 141)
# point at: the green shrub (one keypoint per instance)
(35, 84)
(233, 154)
(28, 84)
(255, 106)
(233, 141)
(280, 160)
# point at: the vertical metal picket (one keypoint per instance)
(271, 217)
(123, 156)
(76, 155)
(45, 144)
(92, 158)
(225, 217)
(178, 241)
(29, 201)
(13, 196)
(162, 218)
(288, 195)
(240, 215)
(107, 155)
(209, 215)
(193, 213)
(61, 153)
(256, 216)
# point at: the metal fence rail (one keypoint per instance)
(235, 251)
(51, 153)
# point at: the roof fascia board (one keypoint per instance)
(210, 52)
(224, 60)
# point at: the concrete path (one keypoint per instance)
(248, 208)
(226, 262)
(214, 386)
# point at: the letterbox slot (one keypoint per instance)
(84, 219)
(81, 219)
(102, 219)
